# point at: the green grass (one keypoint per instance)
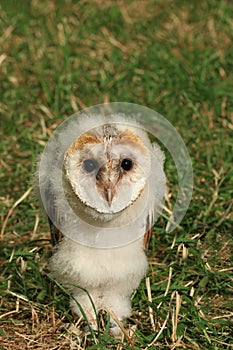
(174, 57)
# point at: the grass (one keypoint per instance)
(174, 57)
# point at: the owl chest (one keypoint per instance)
(89, 266)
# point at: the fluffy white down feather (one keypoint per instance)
(98, 268)
(109, 275)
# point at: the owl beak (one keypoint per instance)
(109, 196)
(109, 193)
(107, 184)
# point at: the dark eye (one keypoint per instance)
(127, 164)
(89, 165)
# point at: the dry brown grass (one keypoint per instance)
(174, 57)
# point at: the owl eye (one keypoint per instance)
(89, 165)
(127, 164)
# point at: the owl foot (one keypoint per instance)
(115, 330)
(118, 332)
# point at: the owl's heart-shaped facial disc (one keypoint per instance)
(108, 168)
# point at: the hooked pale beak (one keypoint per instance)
(109, 194)
(107, 183)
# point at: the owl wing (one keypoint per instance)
(55, 234)
(159, 181)
(149, 229)
(53, 216)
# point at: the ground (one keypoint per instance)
(172, 56)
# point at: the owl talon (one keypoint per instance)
(117, 332)
(113, 324)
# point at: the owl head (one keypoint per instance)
(107, 167)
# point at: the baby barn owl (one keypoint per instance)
(112, 177)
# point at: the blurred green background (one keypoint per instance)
(58, 57)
